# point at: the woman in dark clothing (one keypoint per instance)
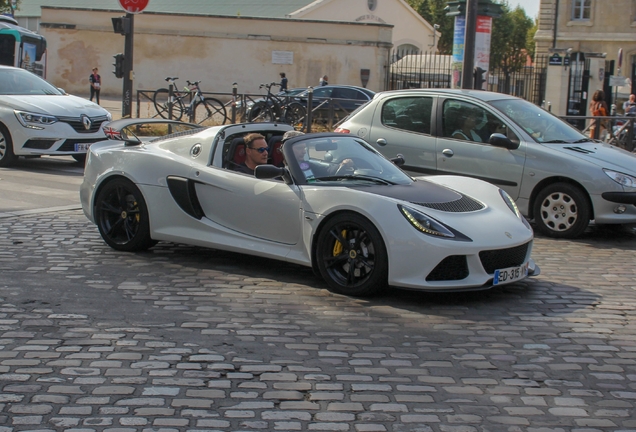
(96, 83)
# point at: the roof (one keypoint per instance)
(252, 8)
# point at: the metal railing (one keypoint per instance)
(615, 130)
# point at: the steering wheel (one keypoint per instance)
(345, 169)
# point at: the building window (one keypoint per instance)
(581, 9)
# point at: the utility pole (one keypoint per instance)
(126, 103)
(469, 44)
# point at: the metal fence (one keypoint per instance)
(431, 70)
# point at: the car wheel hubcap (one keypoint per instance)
(559, 211)
(350, 259)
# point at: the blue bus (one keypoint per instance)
(20, 47)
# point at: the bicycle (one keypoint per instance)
(205, 111)
(276, 108)
(621, 135)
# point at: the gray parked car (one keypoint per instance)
(558, 176)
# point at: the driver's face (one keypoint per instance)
(300, 150)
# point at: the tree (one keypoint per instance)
(433, 12)
(509, 40)
(5, 6)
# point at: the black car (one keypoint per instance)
(344, 99)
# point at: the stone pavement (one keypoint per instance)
(183, 338)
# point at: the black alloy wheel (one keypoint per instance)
(122, 217)
(351, 256)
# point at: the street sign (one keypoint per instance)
(618, 81)
(555, 60)
(133, 6)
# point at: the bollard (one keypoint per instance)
(308, 120)
(234, 94)
(170, 93)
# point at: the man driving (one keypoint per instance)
(255, 153)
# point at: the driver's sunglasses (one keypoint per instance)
(259, 149)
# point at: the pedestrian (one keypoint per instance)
(323, 80)
(96, 83)
(283, 82)
(629, 107)
(598, 108)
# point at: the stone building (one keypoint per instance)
(588, 33)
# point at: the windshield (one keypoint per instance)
(541, 125)
(341, 159)
(22, 82)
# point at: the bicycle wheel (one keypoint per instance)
(160, 100)
(210, 112)
(295, 114)
(260, 112)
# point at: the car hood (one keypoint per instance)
(418, 192)
(56, 105)
(601, 154)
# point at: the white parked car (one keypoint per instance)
(37, 119)
(557, 176)
(336, 205)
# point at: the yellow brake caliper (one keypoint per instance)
(337, 247)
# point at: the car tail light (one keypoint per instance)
(342, 130)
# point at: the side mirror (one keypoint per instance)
(398, 160)
(500, 140)
(265, 172)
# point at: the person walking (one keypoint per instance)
(283, 82)
(598, 108)
(96, 83)
(324, 80)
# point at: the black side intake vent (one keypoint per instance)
(184, 194)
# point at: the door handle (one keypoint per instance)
(381, 142)
(448, 152)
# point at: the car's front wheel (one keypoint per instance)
(561, 210)
(351, 256)
(122, 217)
(6, 147)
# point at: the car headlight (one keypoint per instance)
(428, 225)
(620, 178)
(109, 116)
(513, 207)
(33, 120)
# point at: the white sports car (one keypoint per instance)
(335, 204)
(37, 119)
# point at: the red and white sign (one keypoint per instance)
(133, 6)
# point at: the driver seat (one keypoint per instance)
(235, 155)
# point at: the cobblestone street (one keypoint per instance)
(189, 339)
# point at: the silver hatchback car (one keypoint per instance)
(558, 176)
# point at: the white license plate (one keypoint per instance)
(510, 274)
(82, 147)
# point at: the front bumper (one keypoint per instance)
(620, 197)
(60, 138)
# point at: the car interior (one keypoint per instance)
(234, 149)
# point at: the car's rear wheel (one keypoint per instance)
(122, 217)
(351, 256)
(561, 210)
(6, 147)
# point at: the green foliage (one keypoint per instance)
(433, 12)
(512, 33)
(511, 42)
(5, 6)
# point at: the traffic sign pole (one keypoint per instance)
(126, 102)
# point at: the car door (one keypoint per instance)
(403, 125)
(462, 145)
(264, 209)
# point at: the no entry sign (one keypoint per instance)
(133, 6)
